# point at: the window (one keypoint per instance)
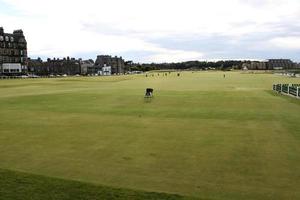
(6, 38)
(1, 38)
(12, 39)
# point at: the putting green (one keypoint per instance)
(201, 135)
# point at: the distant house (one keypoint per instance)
(35, 66)
(271, 64)
(245, 66)
(117, 64)
(106, 70)
(254, 65)
(280, 64)
(55, 66)
(87, 67)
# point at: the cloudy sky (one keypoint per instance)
(157, 30)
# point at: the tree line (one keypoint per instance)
(189, 65)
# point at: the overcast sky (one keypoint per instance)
(157, 30)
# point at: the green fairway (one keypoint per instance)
(23, 186)
(201, 135)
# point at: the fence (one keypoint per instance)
(288, 89)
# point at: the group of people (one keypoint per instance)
(164, 74)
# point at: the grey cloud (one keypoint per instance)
(221, 46)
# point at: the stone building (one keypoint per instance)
(13, 53)
(271, 64)
(117, 64)
(87, 67)
(35, 66)
(54, 66)
(280, 64)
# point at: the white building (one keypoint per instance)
(12, 67)
(106, 70)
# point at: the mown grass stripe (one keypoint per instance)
(24, 186)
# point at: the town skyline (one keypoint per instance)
(142, 32)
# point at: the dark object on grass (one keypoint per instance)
(178, 74)
(149, 93)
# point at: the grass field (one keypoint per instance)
(23, 186)
(201, 136)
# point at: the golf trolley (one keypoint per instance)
(149, 93)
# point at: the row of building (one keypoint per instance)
(271, 64)
(104, 65)
(14, 61)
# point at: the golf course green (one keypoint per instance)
(201, 136)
